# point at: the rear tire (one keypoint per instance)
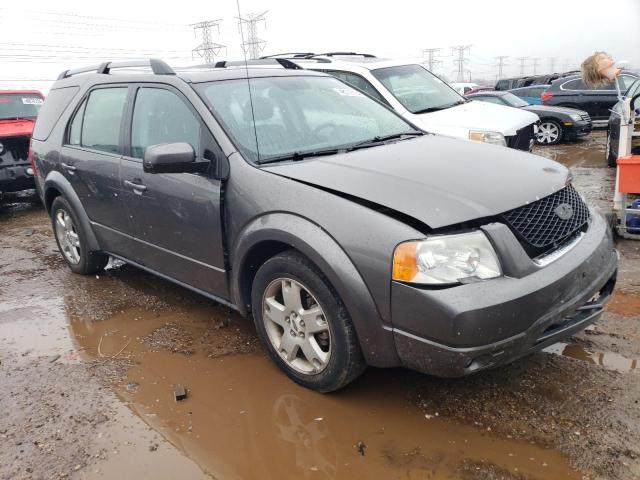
(609, 155)
(72, 240)
(304, 325)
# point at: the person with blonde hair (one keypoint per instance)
(599, 69)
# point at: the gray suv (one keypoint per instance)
(349, 236)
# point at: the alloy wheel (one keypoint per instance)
(296, 326)
(548, 133)
(67, 236)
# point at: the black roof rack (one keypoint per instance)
(344, 54)
(157, 66)
(289, 54)
(283, 62)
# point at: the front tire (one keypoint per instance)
(609, 155)
(304, 325)
(550, 132)
(72, 240)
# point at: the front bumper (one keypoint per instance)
(16, 177)
(578, 129)
(456, 331)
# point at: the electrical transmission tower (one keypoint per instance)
(501, 64)
(536, 62)
(565, 68)
(522, 62)
(431, 54)
(208, 49)
(552, 64)
(252, 45)
(459, 51)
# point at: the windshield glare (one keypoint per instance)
(417, 89)
(514, 101)
(19, 105)
(297, 114)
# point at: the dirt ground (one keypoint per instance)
(88, 368)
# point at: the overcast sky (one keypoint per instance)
(44, 37)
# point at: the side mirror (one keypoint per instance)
(172, 158)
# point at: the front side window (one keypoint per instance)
(160, 116)
(298, 114)
(18, 106)
(102, 119)
(418, 90)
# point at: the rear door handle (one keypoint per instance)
(137, 187)
(69, 168)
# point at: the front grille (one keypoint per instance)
(522, 140)
(539, 226)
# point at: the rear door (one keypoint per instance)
(90, 160)
(176, 218)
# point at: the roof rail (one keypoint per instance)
(289, 54)
(344, 54)
(283, 62)
(157, 66)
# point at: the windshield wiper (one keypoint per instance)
(378, 140)
(295, 156)
(441, 107)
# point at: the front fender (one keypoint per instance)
(317, 245)
(55, 181)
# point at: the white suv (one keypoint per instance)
(424, 99)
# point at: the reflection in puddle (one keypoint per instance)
(610, 360)
(244, 419)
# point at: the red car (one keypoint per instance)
(18, 112)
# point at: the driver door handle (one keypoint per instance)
(137, 187)
(68, 167)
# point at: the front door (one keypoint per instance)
(175, 218)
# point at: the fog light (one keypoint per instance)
(29, 171)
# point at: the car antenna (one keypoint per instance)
(246, 69)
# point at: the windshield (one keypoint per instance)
(295, 115)
(14, 105)
(514, 101)
(418, 90)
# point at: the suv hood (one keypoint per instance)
(475, 115)
(16, 128)
(437, 180)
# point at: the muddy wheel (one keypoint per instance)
(304, 325)
(549, 132)
(72, 242)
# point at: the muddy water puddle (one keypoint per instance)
(609, 360)
(244, 419)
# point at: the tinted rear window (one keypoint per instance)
(54, 105)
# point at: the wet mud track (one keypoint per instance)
(89, 366)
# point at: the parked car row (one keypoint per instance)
(526, 81)
(348, 234)
(18, 112)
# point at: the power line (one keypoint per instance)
(500, 59)
(208, 49)
(92, 17)
(459, 51)
(522, 62)
(253, 45)
(431, 54)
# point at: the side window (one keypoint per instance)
(102, 118)
(160, 116)
(495, 100)
(575, 84)
(626, 81)
(75, 128)
(358, 82)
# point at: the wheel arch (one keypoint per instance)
(268, 235)
(56, 185)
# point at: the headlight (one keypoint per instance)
(575, 117)
(446, 259)
(488, 137)
(1, 149)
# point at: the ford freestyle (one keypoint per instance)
(18, 112)
(351, 237)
